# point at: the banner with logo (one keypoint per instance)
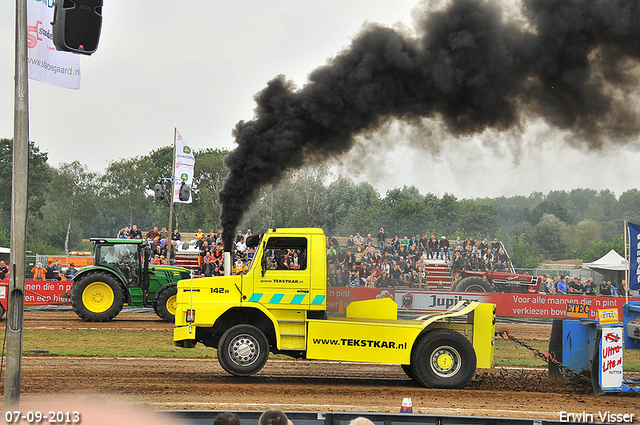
(611, 362)
(634, 253)
(541, 306)
(183, 169)
(45, 63)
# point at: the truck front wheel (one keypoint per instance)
(164, 304)
(97, 297)
(443, 359)
(243, 350)
(409, 371)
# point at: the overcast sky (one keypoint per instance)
(195, 65)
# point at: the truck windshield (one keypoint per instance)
(285, 253)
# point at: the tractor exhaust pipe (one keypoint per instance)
(227, 263)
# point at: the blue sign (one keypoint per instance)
(634, 253)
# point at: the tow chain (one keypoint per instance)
(566, 371)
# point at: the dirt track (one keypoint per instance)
(292, 385)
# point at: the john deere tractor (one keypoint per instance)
(121, 274)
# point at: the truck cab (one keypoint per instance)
(270, 295)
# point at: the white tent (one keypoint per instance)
(5, 250)
(611, 261)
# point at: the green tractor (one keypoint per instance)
(120, 275)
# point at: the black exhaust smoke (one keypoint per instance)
(573, 63)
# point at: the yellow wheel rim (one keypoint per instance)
(444, 361)
(98, 297)
(172, 305)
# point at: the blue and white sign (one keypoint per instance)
(634, 254)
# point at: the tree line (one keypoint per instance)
(70, 203)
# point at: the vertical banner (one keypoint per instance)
(45, 63)
(611, 364)
(634, 253)
(183, 171)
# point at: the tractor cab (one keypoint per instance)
(128, 258)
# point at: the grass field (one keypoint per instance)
(160, 344)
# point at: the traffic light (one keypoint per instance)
(76, 25)
(185, 192)
(160, 191)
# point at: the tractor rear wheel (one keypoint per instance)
(164, 304)
(443, 359)
(474, 284)
(243, 350)
(97, 297)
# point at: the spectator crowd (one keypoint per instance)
(379, 262)
(572, 285)
(389, 262)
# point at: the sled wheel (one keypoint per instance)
(555, 349)
(243, 350)
(97, 297)
(474, 284)
(165, 302)
(443, 359)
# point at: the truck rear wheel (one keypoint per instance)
(474, 284)
(97, 297)
(164, 303)
(243, 350)
(443, 359)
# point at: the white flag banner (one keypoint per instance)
(45, 63)
(184, 163)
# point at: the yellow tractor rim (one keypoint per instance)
(98, 297)
(172, 305)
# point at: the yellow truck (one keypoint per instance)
(278, 308)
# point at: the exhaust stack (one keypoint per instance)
(227, 263)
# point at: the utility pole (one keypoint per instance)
(173, 178)
(15, 310)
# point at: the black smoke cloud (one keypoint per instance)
(573, 63)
